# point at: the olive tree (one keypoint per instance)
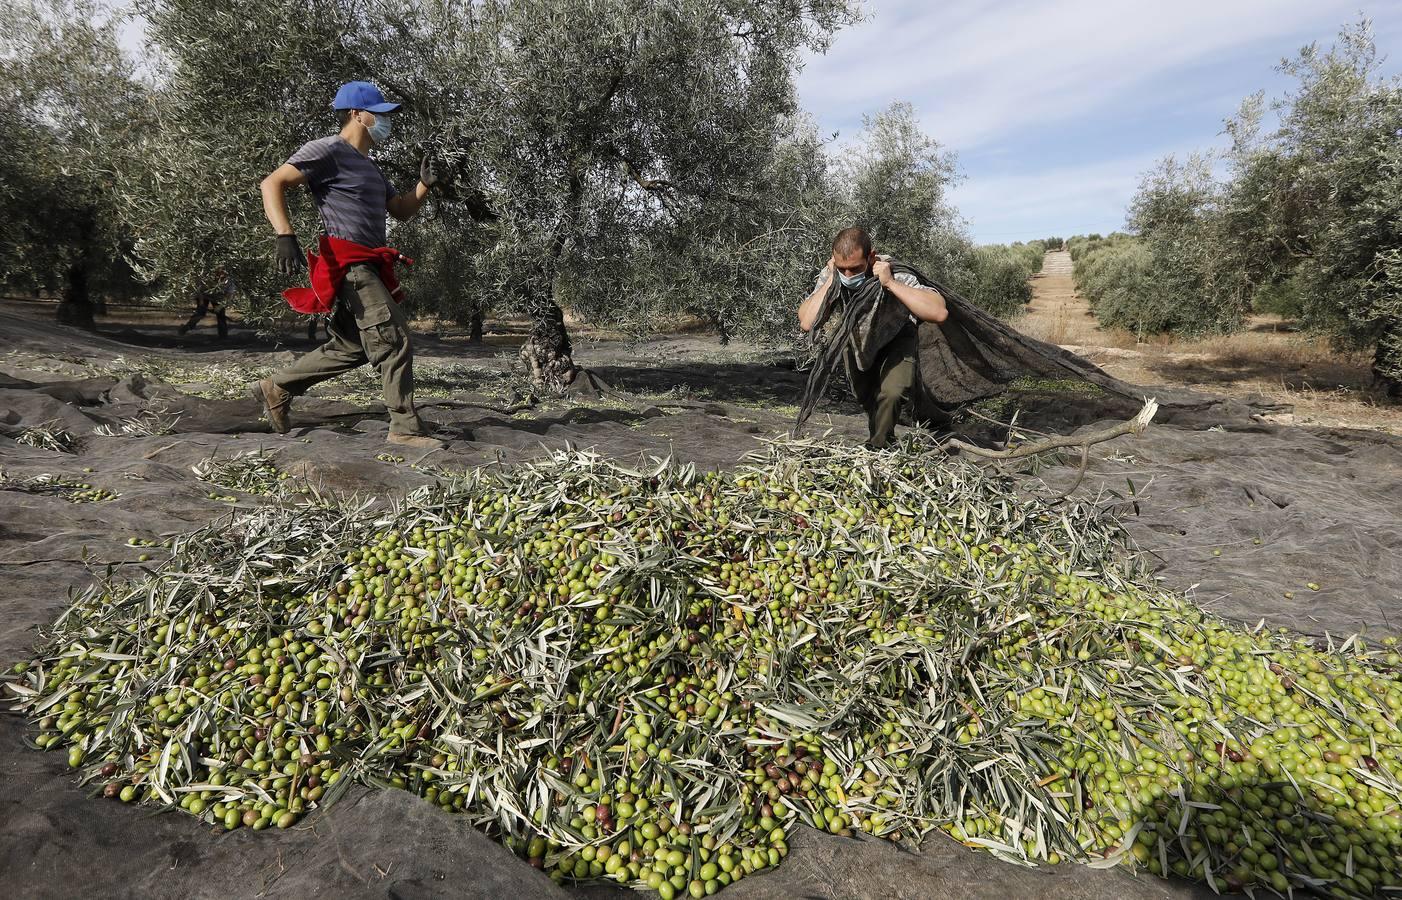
(894, 181)
(1341, 142)
(1308, 219)
(627, 146)
(737, 261)
(241, 84)
(1196, 286)
(70, 106)
(1000, 283)
(751, 260)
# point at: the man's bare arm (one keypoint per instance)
(808, 310)
(274, 189)
(404, 206)
(925, 304)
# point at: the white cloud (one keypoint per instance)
(984, 69)
(1079, 198)
(1074, 199)
(1003, 83)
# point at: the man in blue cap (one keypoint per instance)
(366, 325)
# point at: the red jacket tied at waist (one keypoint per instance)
(327, 270)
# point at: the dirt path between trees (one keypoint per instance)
(1269, 358)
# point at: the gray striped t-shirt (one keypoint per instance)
(349, 189)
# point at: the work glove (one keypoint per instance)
(431, 171)
(290, 258)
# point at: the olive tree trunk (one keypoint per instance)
(549, 357)
(75, 306)
(547, 352)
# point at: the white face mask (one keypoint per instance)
(379, 132)
(851, 281)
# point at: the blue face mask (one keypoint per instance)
(851, 281)
(379, 132)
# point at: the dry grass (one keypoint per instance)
(1269, 358)
(1282, 349)
(1054, 328)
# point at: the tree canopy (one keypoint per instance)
(1307, 219)
(70, 103)
(636, 151)
(628, 161)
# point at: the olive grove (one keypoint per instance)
(633, 164)
(1305, 221)
(70, 108)
(621, 160)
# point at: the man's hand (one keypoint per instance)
(290, 259)
(882, 270)
(431, 171)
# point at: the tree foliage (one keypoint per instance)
(644, 158)
(1307, 220)
(1195, 287)
(737, 265)
(1000, 273)
(70, 103)
(637, 159)
(1336, 169)
(1115, 275)
(894, 182)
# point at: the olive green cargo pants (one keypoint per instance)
(365, 326)
(881, 388)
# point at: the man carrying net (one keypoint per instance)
(905, 337)
(881, 380)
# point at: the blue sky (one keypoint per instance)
(1056, 108)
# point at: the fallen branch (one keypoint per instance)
(1135, 425)
(159, 450)
(511, 410)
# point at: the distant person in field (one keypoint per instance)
(882, 377)
(215, 298)
(353, 266)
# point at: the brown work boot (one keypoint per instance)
(277, 403)
(417, 441)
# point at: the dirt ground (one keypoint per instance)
(1224, 500)
(1270, 358)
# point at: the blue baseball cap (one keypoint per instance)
(362, 95)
